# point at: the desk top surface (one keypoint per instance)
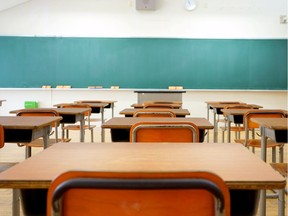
(242, 111)
(91, 104)
(238, 166)
(127, 122)
(61, 111)
(131, 111)
(27, 122)
(272, 123)
(96, 101)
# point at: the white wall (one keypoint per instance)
(193, 100)
(119, 18)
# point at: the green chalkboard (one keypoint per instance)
(144, 62)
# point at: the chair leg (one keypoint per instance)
(223, 134)
(281, 202)
(281, 153)
(28, 152)
(92, 136)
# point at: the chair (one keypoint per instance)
(237, 128)
(4, 166)
(131, 193)
(154, 113)
(39, 142)
(87, 114)
(161, 104)
(250, 126)
(164, 132)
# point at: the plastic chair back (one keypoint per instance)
(154, 113)
(164, 132)
(145, 194)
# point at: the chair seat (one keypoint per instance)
(257, 143)
(282, 168)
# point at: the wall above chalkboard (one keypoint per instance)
(144, 62)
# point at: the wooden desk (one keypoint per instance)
(120, 126)
(109, 102)
(242, 171)
(69, 116)
(24, 129)
(95, 108)
(276, 129)
(179, 112)
(216, 107)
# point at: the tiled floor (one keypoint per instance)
(12, 153)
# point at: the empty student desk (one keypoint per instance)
(129, 112)
(111, 104)
(24, 129)
(251, 175)
(69, 116)
(120, 126)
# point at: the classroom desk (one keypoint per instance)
(244, 173)
(275, 129)
(111, 104)
(69, 116)
(120, 126)
(24, 129)
(95, 108)
(128, 112)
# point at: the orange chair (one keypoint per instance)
(4, 166)
(143, 194)
(39, 142)
(250, 126)
(162, 105)
(164, 132)
(154, 113)
(87, 126)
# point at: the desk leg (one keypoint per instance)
(16, 202)
(208, 110)
(263, 143)
(228, 130)
(263, 203)
(281, 202)
(82, 129)
(46, 137)
(215, 127)
(112, 108)
(102, 130)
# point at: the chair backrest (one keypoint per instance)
(131, 193)
(154, 113)
(2, 142)
(164, 132)
(239, 106)
(38, 112)
(260, 114)
(162, 106)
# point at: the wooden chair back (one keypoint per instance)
(260, 114)
(130, 193)
(38, 112)
(161, 106)
(154, 113)
(164, 132)
(1, 136)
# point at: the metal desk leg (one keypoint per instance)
(215, 127)
(16, 202)
(228, 130)
(208, 110)
(82, 129)
(281, 202)
(263, 203)
(263, 144)
(102, 121)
